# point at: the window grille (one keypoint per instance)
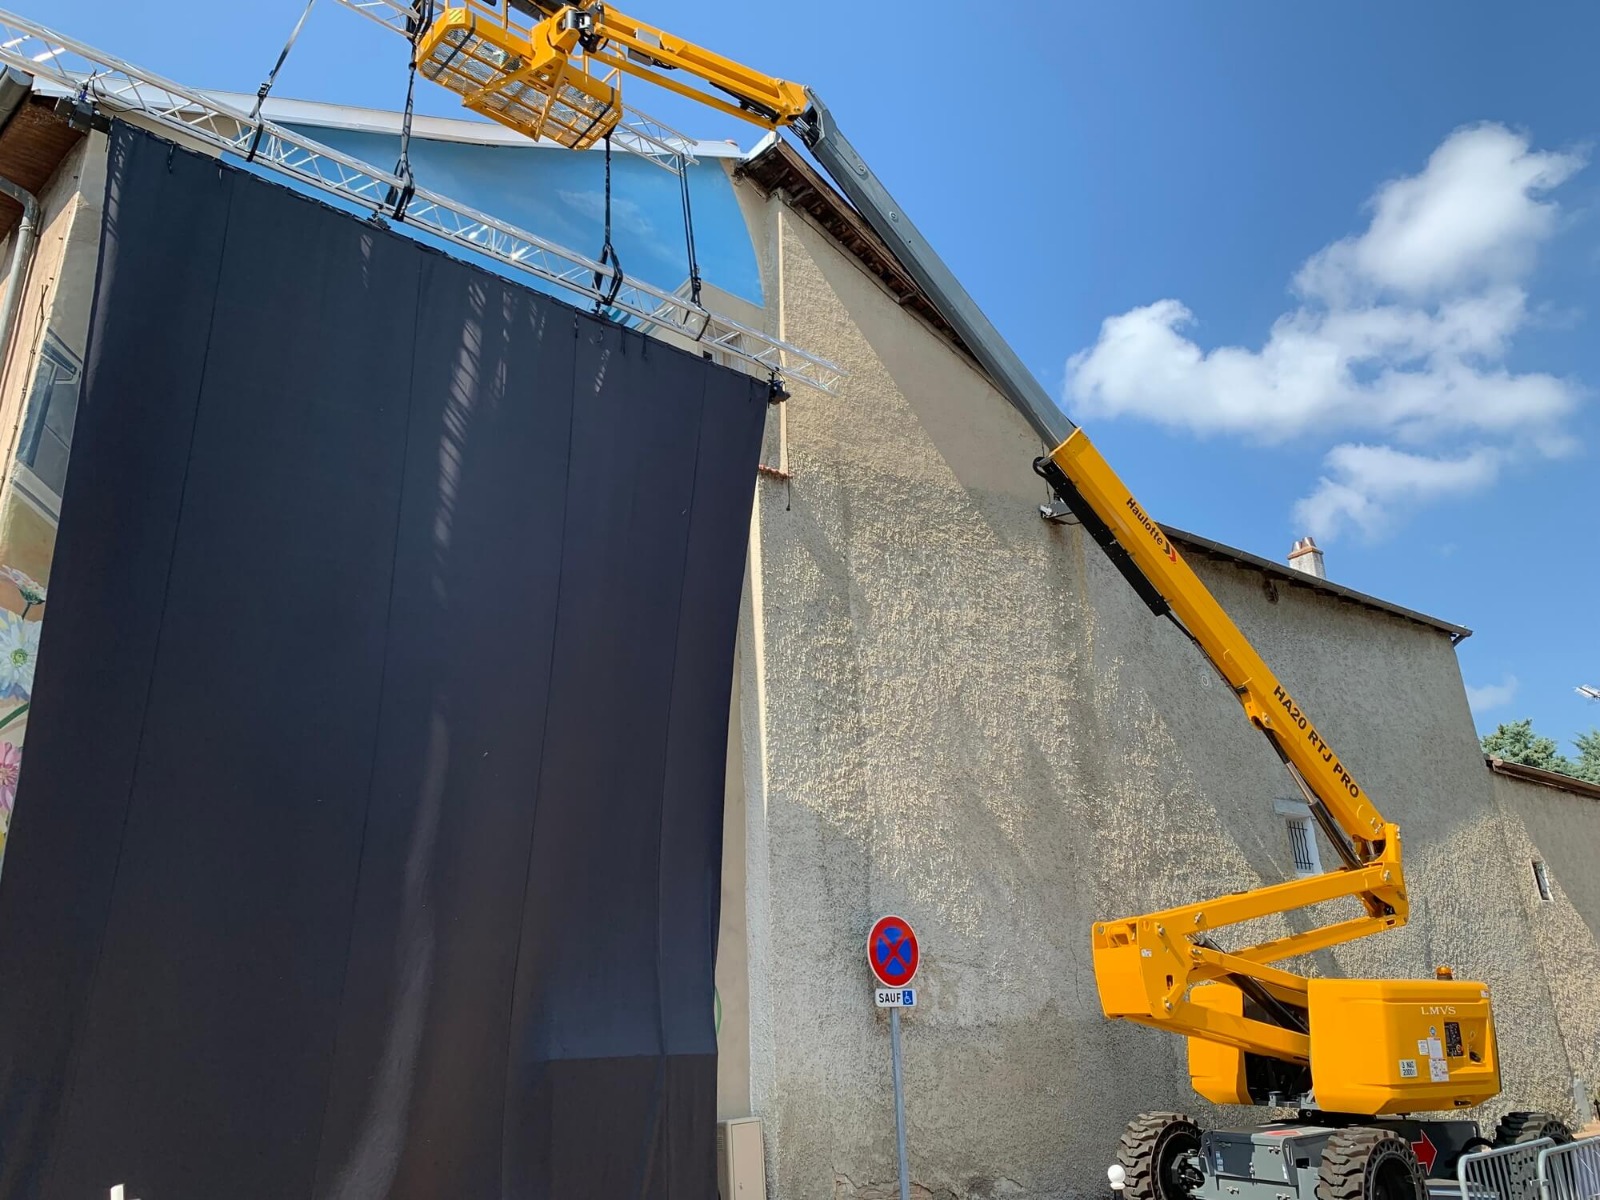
(1541, 879)
(1303, 845)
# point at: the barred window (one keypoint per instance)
(1303, 845)
(1541, 879)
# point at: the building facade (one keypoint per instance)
(50, 255)
(1552, 836)
(954, 711)
(950, 709)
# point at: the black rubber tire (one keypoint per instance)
(1151, 1153)
(1444, 1167)
(1362, 1163)
(1518, 1127)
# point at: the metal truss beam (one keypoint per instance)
(117, 87)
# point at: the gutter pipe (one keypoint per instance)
(21, 258)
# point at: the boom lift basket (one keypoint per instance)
(526, 79)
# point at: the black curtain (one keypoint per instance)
(369, 835)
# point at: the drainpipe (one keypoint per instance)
(14, 90)
(21, 258)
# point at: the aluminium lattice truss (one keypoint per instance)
(118, 88)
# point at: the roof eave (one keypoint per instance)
(1287, 574)
(777, 168)
(35, 139)
(1550, 779)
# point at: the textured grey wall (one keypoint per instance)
(955, 712)
(1562, 830)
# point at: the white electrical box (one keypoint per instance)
(741, 1160)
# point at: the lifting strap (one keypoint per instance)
(608, 252)
(399, 199)
(688, 231)
(272, 77)
(688, 237)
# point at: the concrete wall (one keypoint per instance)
(953, 711)
(1562, 830)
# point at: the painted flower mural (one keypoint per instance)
(32, 591)
(10, 772)
(19, 650)
(19, 654)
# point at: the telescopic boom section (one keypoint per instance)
(542, 79)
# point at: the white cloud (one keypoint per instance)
(1476, 214)
(1398, 370)
(1365, 483)
(626, 215)
(1400, 331)
(1492, 695)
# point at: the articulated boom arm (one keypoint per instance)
(541, 79)
(1146, 965)
(648, 52)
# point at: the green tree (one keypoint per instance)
(1587, 765)
(1515, 741)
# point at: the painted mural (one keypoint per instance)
(19, 648)
(561, 195)
(28, 515)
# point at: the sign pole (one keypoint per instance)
(899, 1102)
(893, 956)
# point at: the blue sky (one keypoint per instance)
(1387, 217)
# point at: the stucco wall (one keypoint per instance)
(1561, 830)
(953, 711)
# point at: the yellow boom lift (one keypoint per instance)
(1354, 1056)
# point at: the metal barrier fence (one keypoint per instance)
(1570, 1172)
(1509, 1173)
(1539, 1170)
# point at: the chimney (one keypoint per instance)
(1305, 556)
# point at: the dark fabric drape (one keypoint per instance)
(369, 837)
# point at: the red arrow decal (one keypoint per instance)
(1425, 1151)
